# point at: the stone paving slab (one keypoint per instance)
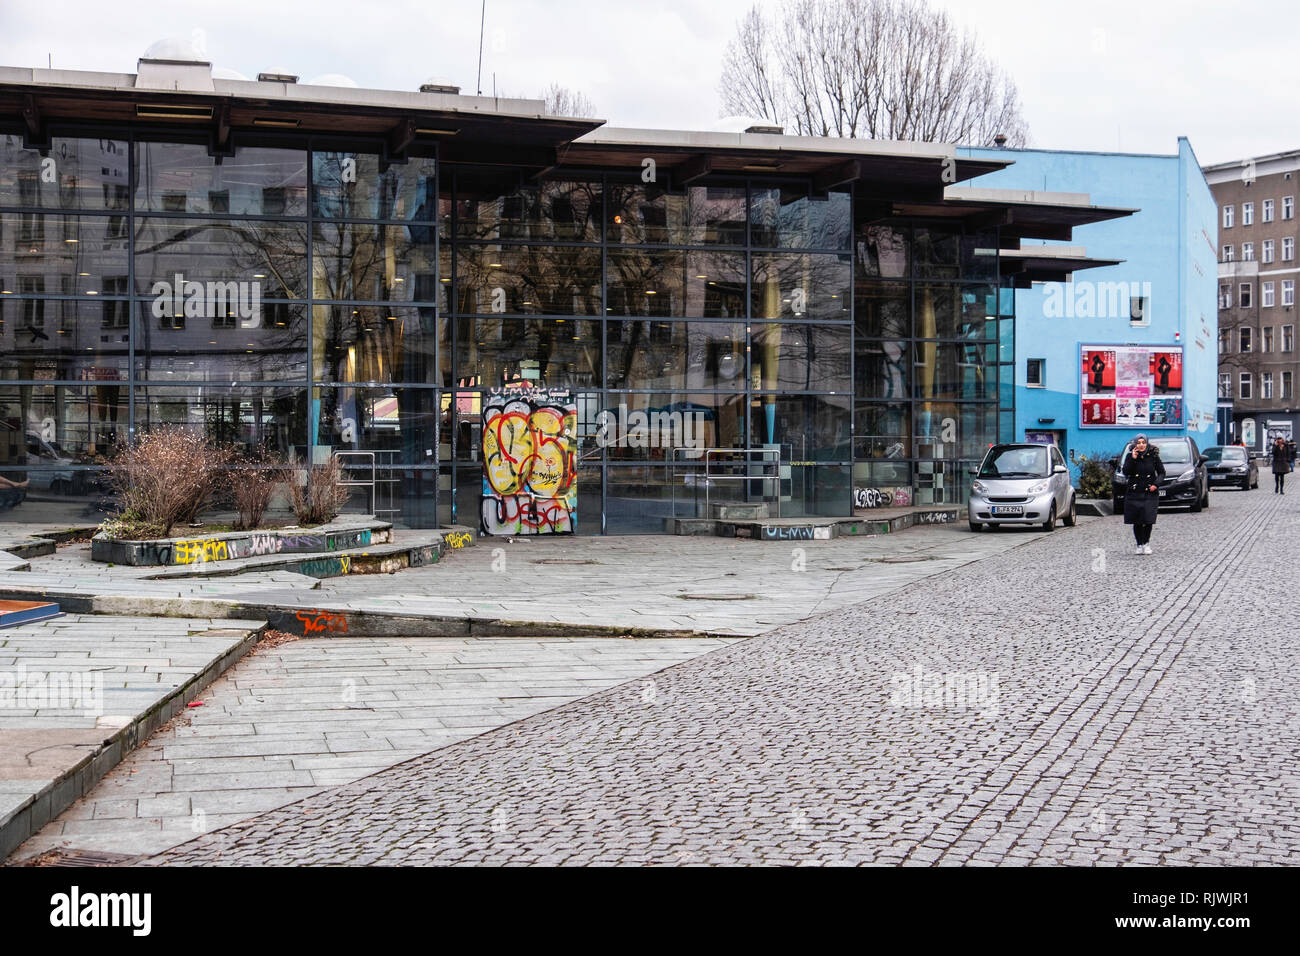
(77, 693)
(1067, 702)
(650, 584)
(266, 733)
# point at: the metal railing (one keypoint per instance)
(375, 483)
(770, 458)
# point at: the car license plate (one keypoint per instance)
(1164, 492)
(1008, 509)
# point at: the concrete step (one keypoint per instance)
(12, 562)
(199, 548)
(816, 529)
(412, 549)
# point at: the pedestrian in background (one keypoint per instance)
(1281, 464)
(1144, 469)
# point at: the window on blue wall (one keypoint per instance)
(1034, 369)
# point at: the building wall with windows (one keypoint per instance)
(1258, 269)
(1162, 293)
(363, 290)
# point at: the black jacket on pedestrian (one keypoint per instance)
(1281, 460)
(1141, 505)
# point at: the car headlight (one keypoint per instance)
(979, 487)
(1188, 475)
(1037, 488)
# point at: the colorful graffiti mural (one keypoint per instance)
(530, 477)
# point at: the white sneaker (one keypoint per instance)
(1146, 549)
(1137, 549)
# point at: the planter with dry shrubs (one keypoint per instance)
(252, 486)
(318, 493)
(164, 478)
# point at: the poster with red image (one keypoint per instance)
(1167, 371)
(1099, 411)
(1098, 371)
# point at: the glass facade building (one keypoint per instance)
(311, 293)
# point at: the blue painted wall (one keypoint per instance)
(1169, 243)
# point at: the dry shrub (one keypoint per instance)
(320, 498)
(163, 478)
(252, 485)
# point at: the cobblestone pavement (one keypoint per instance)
(1077, 704)
(288, 721)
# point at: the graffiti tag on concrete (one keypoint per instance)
(530, 478)
(458, 539)
(198, 550)
(315, 622)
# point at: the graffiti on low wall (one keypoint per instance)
(458, 539)
(530, 483)
(318, 622)
(199, 550)
(882, 497)
(794, 533)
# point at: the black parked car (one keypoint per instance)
(1186, 481)
(1230, 465)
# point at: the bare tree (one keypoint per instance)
(562, 101)
(874, 69)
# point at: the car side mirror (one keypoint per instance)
(973, 473)
(1201, 459)
(1060, 470)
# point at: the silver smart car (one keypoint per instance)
(1021, 484)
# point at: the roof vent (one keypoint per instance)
(277, 78)
(438, 84)
(766, 128)
(1000, 141)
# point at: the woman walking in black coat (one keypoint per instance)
(1144, 469)
(1281, 464)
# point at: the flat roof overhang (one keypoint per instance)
(480, 129)
(1017, 213)
(1027, 265)
(890, 170)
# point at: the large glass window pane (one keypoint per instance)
(675, 283)
(812, 427)
(883, 251)
(366, 343)
(937, 251)
(788, 217)
(882, 431)
(881, 369)
(947, 311)
(273, 417)
(84, 174)
(545, 352)
(883, 310)
(953, 370)
(370, 263)
(640, 498)
(264, 260)
(352, 185)
(800, 357)
(640, 426)
(71, 340)
(495, 206)
(51, 254)
(800, 286)
(654, 354)
(953, 430)
(399, 424)
(50, 428)
(536, 280)
(256, 181)
(979, 256)
(223, 348)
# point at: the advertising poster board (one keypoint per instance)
(1131, 386)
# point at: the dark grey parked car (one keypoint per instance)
(1230, 465)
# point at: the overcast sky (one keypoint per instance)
(1131, 75)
